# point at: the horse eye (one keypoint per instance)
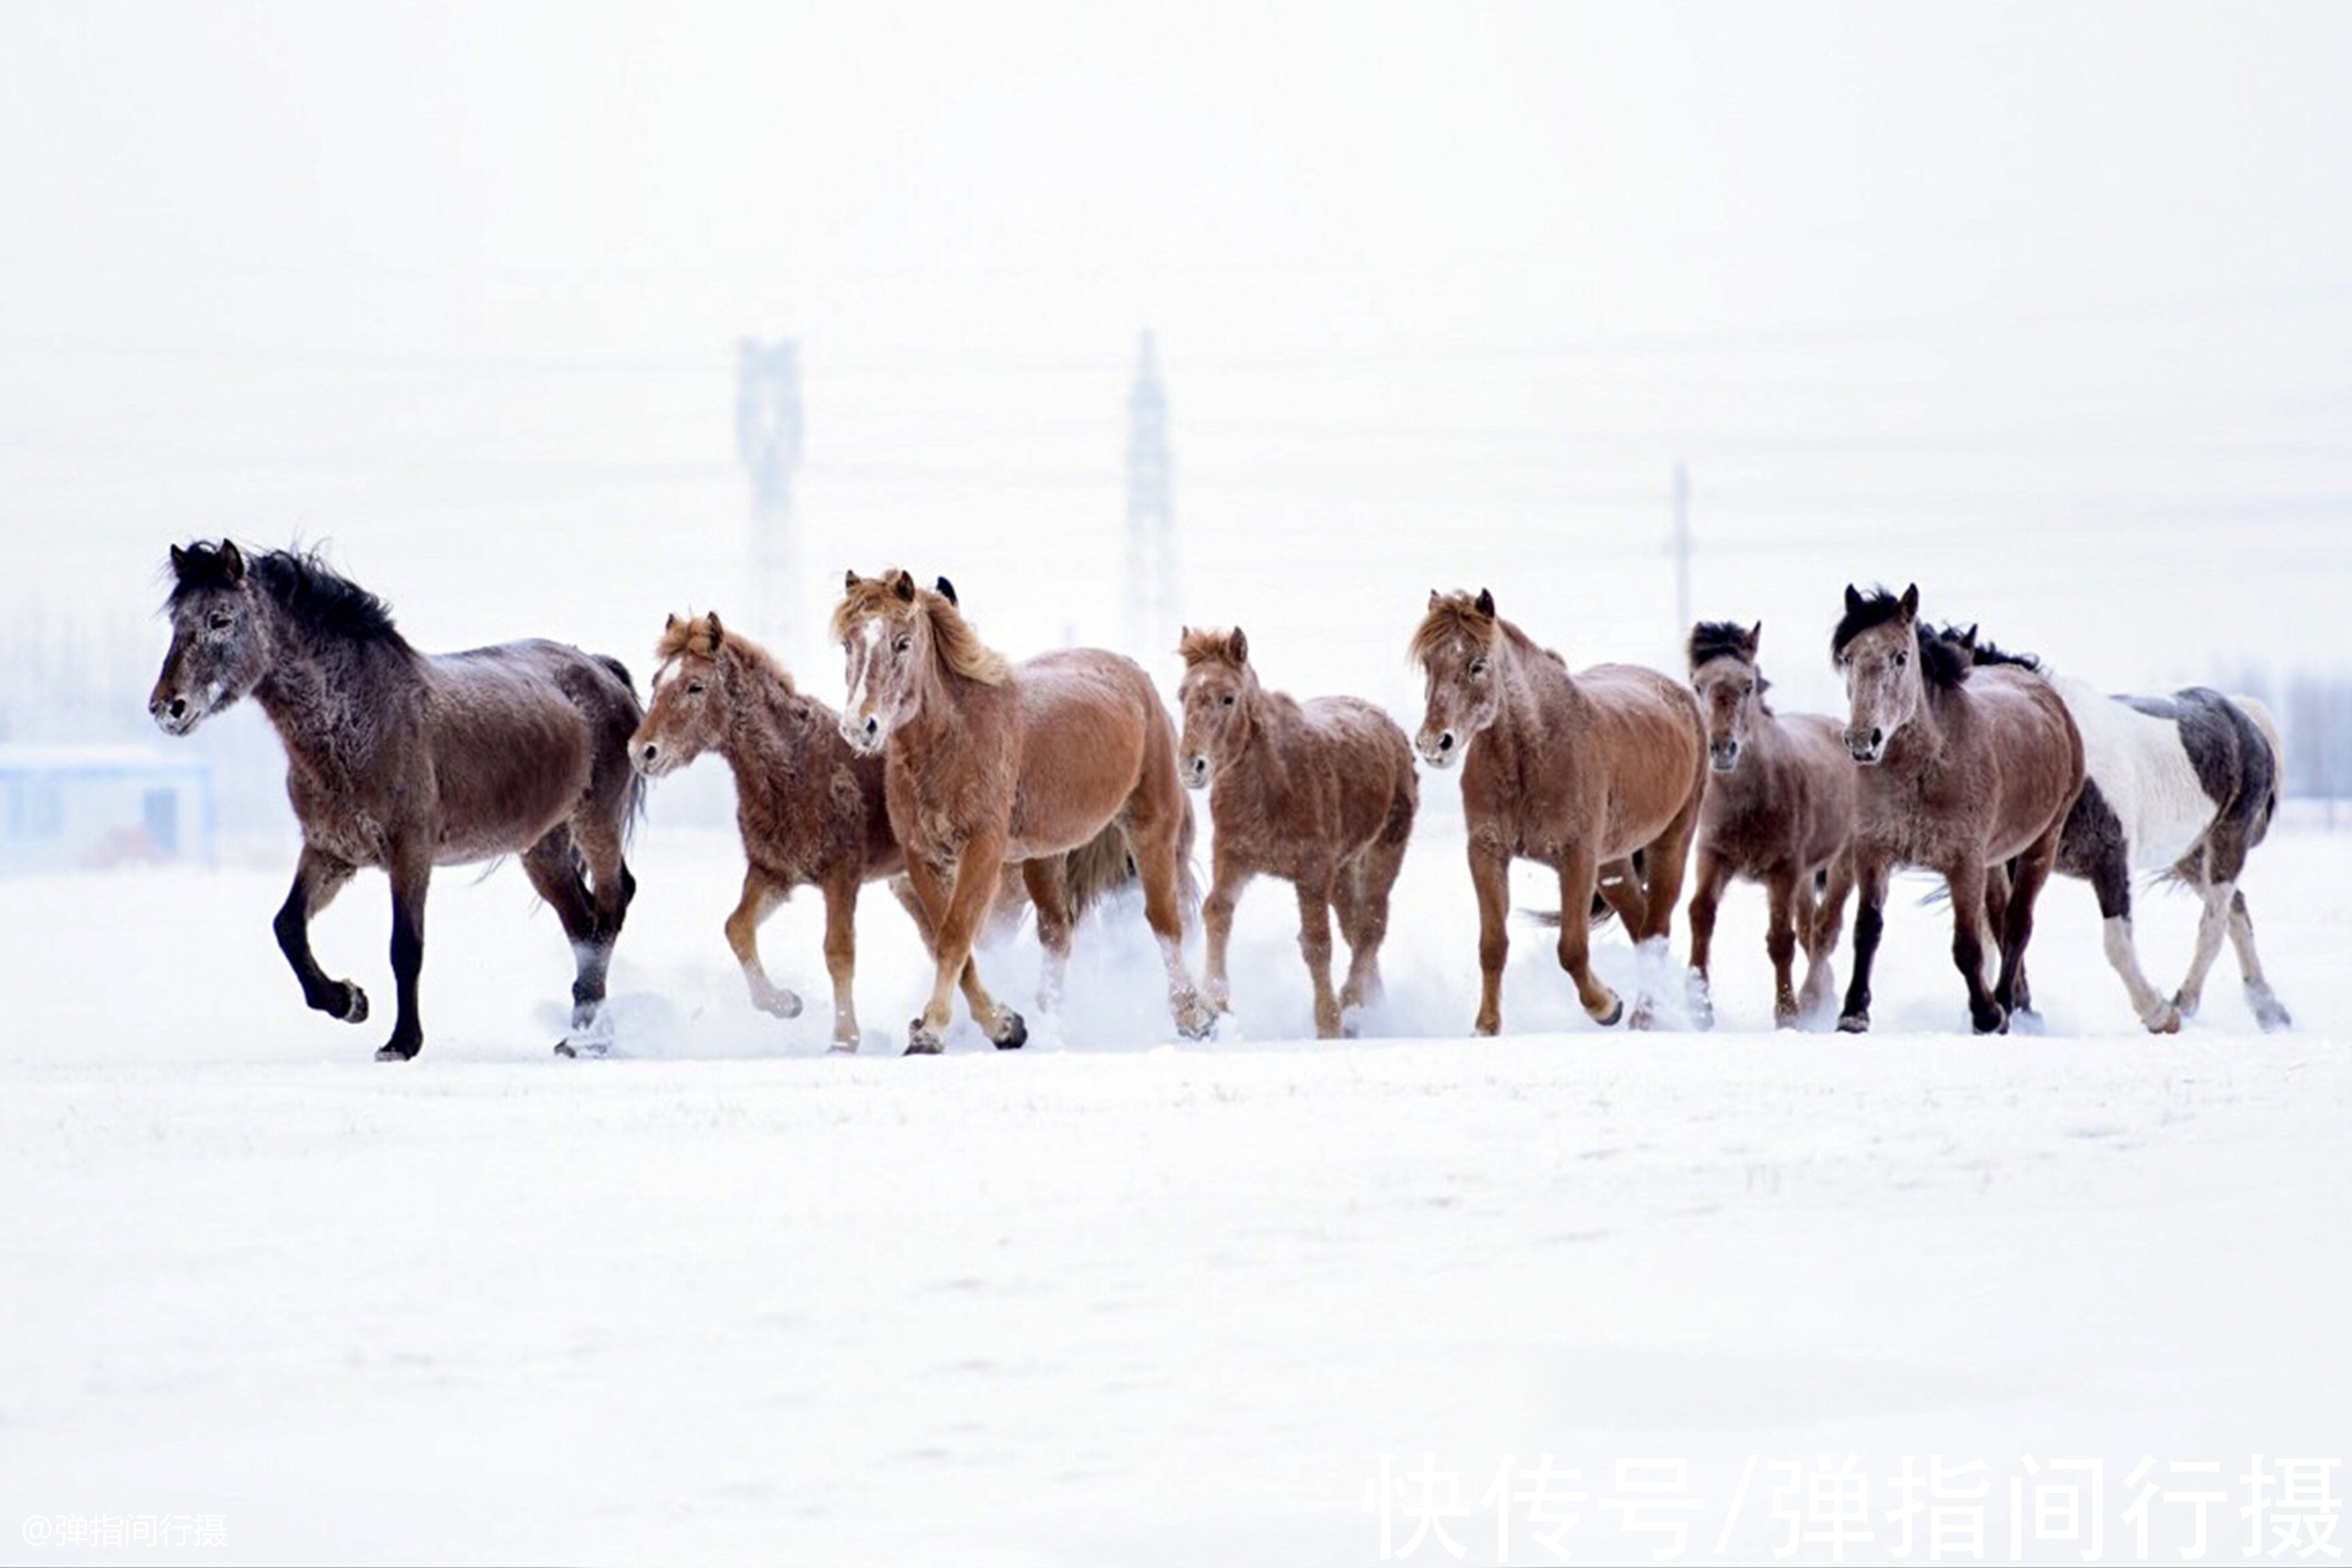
(1901, 660)
(1748, 688)
(1477, 666)
(692, 687)
(901, 645)
(221, 621)
(1229, 699)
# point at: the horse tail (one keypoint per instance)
(1098, 868)
(2253, 708)
(633, 810)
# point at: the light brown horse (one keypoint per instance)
(404, 761)
(1962, 769)
(809, 810)
(1577, 772)
(1778, 811)
(1320, 793)
(988, 763)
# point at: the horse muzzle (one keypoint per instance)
(865, 736)
(1723, 756)
(1443, 749)
(652, 760)
(1866, 748)
(1196, 772)
(177, 713)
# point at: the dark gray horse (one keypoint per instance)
(403, 761)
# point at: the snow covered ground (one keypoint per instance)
(1114, 1299)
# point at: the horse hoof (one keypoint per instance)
(390, 1053)
(1996, 1022)
(1017, 1035)
(924, 1048)
(575, 1048)
(354, 1005)
(844, 1047)
(2166, 1022)
(2272, 1018)
(563, 1048)
(2185, 1005)
(1854, 1023)
(782, 1005)
(1616, 1013)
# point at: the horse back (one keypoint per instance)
(518, 735)
(1790, 802)
(1643, 732)
(2028, 750)
(1092, 733)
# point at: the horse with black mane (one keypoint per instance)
(402, 761)
(1959, 775)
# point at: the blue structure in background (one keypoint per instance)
(68, 807)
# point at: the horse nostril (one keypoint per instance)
(1446, 742)
(873, 726)
(1877, 736)
(179, 707)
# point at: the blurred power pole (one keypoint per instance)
(1681, 548)
(1150, 515)
(768, 440)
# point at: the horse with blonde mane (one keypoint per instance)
(1578, 772)
(1320, 793)
(989, 764)
(809, 808)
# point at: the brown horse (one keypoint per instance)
(809, 810)
(1962, 769)
(988, 763)
(1578, 772)
(1320, 793)
(404, 761)
(1779, 811)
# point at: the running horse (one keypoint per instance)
(1969, 772)
(1581, 772)
(989, 764)
(402, 761)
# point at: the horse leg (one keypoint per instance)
(1048, 881)
(1620, 888)
(956, 911)
(1779, 941)
(1966, 878)
(599, 841)
(1996, 902)
(2028, 874)
(2269, 1011)
(1315, 893)
(553, 864)
(1364, 921)
(2111, 882)
(761, 893)
(1154, 834)
(1869, 920)
(1576, 877)
(1664, 861)
(1226, 881)
(316, 878)
(411, 870)
(902, 888)
(841, 954)
(1822, 930)
(2211, 927)
(1490, 877)
(1707, 896)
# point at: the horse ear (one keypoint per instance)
(1237, 644)
(903, 585)
(1968, 638)
(1755, 638)
(1486, 604)
(849, 580)
(1911, 601)
(233, 562)
(717, 633)
(947, 591)
(669, 623)
(179, 561)
(1435, 598)
(1853, 599)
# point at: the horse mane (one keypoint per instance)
(1715, 639)
(1985, 651)
(1207, 647)
(703, 637)
(1452, 614)
(952, 634)
(320, 600)
(1942, 662)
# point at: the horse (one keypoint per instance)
(1320, 793)
(1579, 772)
(2185, 785)
(809, 810)
(1779, 810)
(1957, 775)
(402, 760)
(989, 764)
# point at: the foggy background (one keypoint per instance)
(2047, 308)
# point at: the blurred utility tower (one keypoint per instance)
(768, 439)
(1150, 515)
(1681, 548)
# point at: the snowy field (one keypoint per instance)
(1113, 1298)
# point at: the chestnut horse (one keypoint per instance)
(1778, 811)
(401, 760)
(1320, 793)
(988, 763)
(810, 808)
(1962, 769)
(1578, 772)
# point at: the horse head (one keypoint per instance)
(1218, 692)
(1876, 650)
(1723, 672)
(901, 641)
(1455, 647)
(686, 716)
(220, 637)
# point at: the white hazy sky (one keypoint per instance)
(2046, 306)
